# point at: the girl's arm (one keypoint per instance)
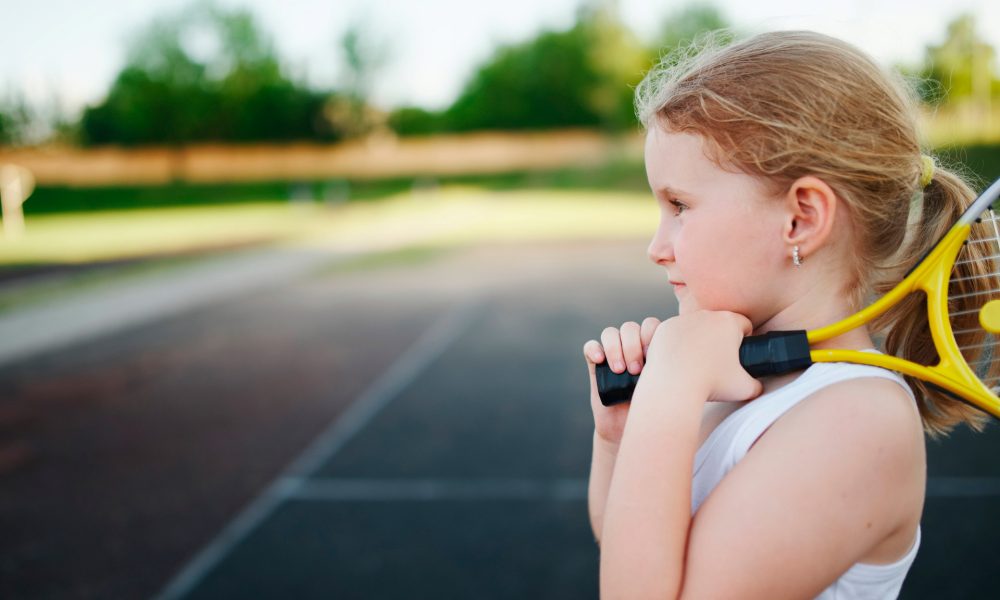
(602, 465)
(627, 345)
(648, 511)
(691, 359)
(839, 477)
(605, 454)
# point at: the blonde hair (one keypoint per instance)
(782, 105)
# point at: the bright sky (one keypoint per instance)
(72, 50)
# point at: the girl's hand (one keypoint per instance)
(623, 349)
(702, 349)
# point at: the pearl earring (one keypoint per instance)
(795, 256)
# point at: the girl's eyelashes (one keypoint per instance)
(679, 207)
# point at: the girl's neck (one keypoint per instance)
(817, 307)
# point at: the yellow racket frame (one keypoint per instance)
(931, 276)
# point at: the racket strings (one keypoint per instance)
(974, 294)
(975, 281)
(975, 278)
(976, 260)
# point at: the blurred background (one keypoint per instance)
(292, 294)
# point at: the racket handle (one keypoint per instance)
(773, 353)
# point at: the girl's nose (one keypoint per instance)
(660, 249)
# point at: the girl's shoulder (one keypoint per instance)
(857, 399)
(861, 401)
(872, 413)
(874, 428)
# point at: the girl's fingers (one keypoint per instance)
(649, 325)
(593, 352)
(632, 347)
(611, 340)
(745, 323)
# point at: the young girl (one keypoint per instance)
(785, 167)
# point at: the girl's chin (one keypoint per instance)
(687, 305)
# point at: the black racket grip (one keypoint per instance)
(773, 353)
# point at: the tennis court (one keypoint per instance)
(417, 431)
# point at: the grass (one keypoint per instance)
(405, 228)
(449, 213)
(77, 238)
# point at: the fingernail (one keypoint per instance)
(634, 367)
(619, 366)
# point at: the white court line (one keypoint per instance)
(335, 489)
(955, 487)
(356, 489)
(400, 375)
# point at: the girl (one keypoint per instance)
(785, 167)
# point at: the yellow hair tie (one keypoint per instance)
(927, 172)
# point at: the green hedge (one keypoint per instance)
(59, 199)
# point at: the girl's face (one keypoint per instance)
(719, 237)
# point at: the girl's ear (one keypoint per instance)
(811, 207)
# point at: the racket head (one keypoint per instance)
(972, 304)
(961, 279)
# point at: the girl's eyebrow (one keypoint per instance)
(666, 189)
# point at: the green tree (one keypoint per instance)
(583, 76)
(7, 134)
(20, 122)
(577, 77)
(961, 68)
(619, 60)
(363, 58)
(204, 74)
(683, 26)
(413, 120)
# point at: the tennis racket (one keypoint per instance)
(966, 339)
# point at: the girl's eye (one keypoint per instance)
(679, 207)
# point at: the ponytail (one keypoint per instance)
(905, 326)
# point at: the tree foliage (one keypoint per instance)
(683, 26)
(577, 77)
(8, 135)
(960, 69)
(582, 76)
(204, 74)
(363, 58)
(24, 123)
(209, 74)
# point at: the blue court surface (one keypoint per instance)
(458, 469)
(462, 473)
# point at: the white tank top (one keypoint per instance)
(730, 441)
